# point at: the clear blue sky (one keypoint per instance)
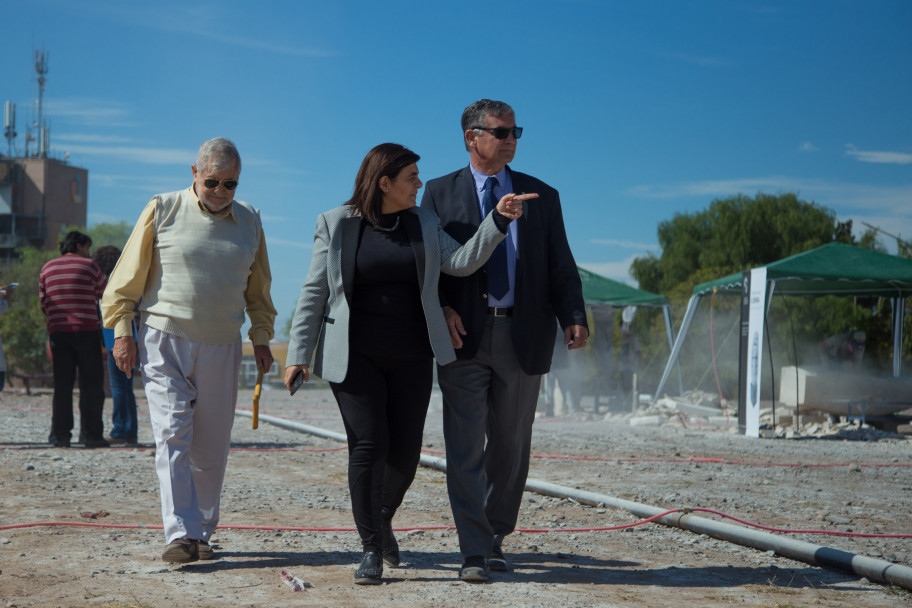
(633, 110)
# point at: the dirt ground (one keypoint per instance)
(81, 527)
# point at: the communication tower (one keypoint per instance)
(41, 68)
(39, 194)
(9, 126)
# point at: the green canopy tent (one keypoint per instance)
(833, 269)
(599, 290)
(602, 295)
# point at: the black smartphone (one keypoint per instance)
(297, 382)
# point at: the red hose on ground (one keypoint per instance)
(526, 530)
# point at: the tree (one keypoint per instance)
(110, 234)
(735, 233)
(23, 326)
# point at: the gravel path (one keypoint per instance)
(285, 507)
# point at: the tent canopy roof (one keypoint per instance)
(835, 268)
(598, 289)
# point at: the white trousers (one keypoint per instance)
(192, 392)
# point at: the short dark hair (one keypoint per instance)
(385, 160)
(106, 257)
(477, 113)
(73, 241)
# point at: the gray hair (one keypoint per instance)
(216, 154)
(477, 113)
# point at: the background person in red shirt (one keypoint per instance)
(69, 288)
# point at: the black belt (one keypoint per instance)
(500, 311)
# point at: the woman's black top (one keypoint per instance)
(386, 314)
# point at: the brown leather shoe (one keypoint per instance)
(205, 551)
(181, 551)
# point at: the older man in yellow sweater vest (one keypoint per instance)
(195, 261)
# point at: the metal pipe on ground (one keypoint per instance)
(872, 568)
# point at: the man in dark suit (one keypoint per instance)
(501, 321)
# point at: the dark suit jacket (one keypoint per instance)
(547, 282)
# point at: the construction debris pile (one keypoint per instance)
(702, 409)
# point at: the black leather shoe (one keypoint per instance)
(497, 561)
(101, 442)
(389, 547)
(371, 569)
(61, 443)
(474, 570)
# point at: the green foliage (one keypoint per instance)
(647, 273)
(23, 326)
(25, 340)
(290, 319)
(110, 234)
(736, 233)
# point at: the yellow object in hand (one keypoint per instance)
(255, 421)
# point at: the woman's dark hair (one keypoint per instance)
(106, 257)
(385, 160)
(73, 240)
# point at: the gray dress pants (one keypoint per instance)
(487, 397)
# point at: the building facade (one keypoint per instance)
(38, 197)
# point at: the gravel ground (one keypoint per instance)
(81, 527)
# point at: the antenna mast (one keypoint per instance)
(9, 126)
(41, 68)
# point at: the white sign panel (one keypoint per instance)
(755, 350)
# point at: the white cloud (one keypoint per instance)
(807, 147)
(872, 156)
(91, 138)
(625, 244)
(707, 188)
(830, 193)
(90, 112)
(619, 271)
(187, 19)
(144, 186)
(141, 154)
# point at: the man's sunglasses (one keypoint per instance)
(212, 184)
(502, 132)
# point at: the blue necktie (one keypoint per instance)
(498, 280)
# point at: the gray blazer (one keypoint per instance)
(319, 329)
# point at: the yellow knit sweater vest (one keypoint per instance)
(199, 270)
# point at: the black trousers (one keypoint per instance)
(80, 350)
(384, 402)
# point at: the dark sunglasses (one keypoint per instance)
(212, 184)
(502, 132)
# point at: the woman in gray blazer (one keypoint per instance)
(369, 319)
